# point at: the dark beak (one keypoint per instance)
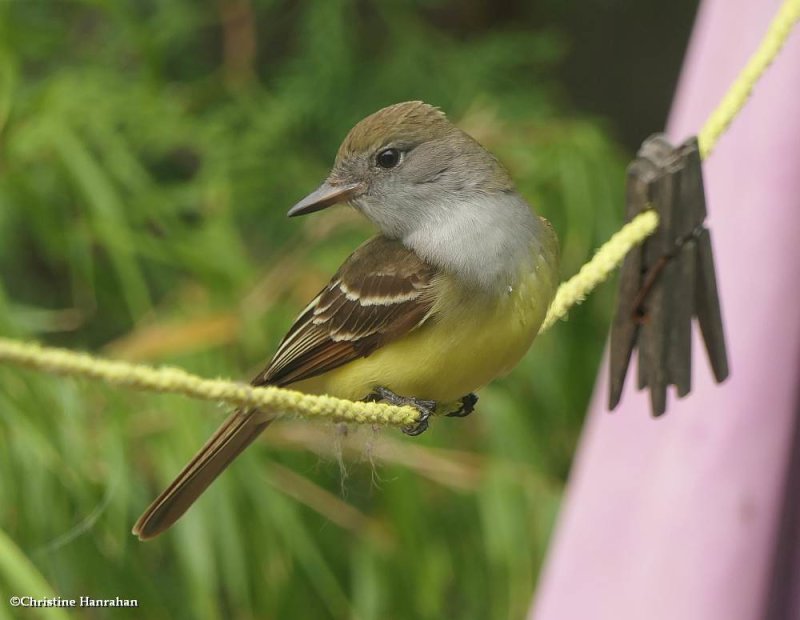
(324, 196)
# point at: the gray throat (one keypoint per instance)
(487, 240)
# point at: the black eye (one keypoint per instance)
(388, 158)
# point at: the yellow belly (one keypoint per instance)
(469, 341)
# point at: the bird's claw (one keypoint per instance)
(421, 425)
(468, 403)
(426, 408)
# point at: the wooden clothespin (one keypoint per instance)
(667, 280)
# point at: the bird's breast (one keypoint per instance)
(469, 340)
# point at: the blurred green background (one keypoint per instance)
(148, 153)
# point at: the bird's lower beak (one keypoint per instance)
(324, 196)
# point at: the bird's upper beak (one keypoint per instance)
(326, 195)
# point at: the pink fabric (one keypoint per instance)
(678, 517)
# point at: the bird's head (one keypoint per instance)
(407, 166)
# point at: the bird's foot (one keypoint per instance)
(468, 403)
(426, 408)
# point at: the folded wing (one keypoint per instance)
(381, 292)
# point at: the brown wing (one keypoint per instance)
(380, 293)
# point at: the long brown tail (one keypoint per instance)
(236, 433)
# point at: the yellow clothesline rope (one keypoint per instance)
(740, 90)
(605, 260)
(283, 401)
(177, 381)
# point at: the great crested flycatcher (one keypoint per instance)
(449, 295)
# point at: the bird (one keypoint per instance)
(447, 296)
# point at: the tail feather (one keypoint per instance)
(237, 432)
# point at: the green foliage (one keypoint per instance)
(148, 153)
